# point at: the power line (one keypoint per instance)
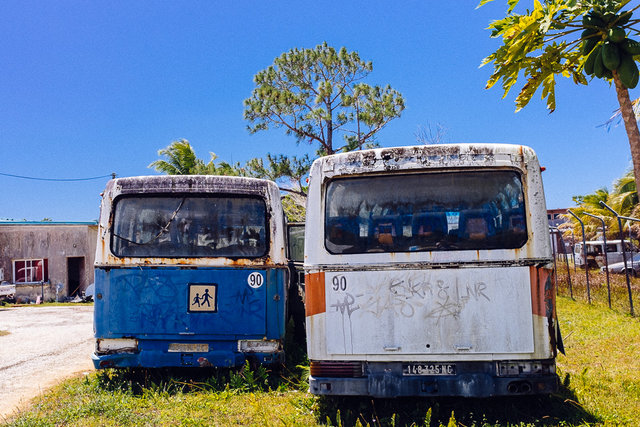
(112, 175)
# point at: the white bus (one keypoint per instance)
(427, 273)
(595, 252)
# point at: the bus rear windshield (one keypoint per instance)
(440, 211)
(189, 226)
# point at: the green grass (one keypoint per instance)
(600, 376)
(114, 397)
(602, 365)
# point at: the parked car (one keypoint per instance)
(633, 265)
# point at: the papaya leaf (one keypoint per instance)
(482, 3)
(549, 91)
(537, 45)
(511, 3)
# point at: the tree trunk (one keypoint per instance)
(630, 124)
(330, 137)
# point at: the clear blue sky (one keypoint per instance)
(90, 88)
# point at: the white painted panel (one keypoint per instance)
(454, 311)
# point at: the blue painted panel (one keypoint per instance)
(154, 302)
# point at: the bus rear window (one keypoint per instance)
(442, 211)
(189, 226)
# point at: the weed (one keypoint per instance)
(248, 380)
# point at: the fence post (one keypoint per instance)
(624, 256)
(560, 240)
(584, 254)
(573, 250)
(555, 264)
(606, 261)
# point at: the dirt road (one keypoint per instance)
(43, 346)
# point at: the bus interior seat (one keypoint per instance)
(517, 223)
(429, 226)
(343, 230)
(384, 230)
(474, 225)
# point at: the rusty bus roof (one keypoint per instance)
(427, 156)
(188, 184)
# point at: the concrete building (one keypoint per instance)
(555, 217)
(47, 259)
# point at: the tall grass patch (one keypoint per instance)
(602, 364)
(574, 284)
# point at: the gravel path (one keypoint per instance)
(44, 345)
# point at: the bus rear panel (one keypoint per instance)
(190, 272)
(427, 273)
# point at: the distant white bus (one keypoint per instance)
(427, 273)
(596, 251)
(7, 290)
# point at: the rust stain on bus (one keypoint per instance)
(201, 262)
(409, 158)
(539, 277)
(205, 184)
(314, 294)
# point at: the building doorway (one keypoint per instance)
(75, 272)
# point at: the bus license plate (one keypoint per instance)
(175, 347)
(429, 369)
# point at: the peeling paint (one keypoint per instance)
(407, 309)
(193, 184)
(207, 303)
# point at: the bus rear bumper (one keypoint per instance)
(390, 383)
(477, 385)
(161, 358)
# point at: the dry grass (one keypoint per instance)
(598, 288)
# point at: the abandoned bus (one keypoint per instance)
(427, 273)
(190, 271)
(595, 252)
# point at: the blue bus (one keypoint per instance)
(190, 271)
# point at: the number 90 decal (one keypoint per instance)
(339, 283)
(255, 279)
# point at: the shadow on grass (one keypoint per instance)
(560, 408)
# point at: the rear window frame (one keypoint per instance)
(518, 173)
(178, 196)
